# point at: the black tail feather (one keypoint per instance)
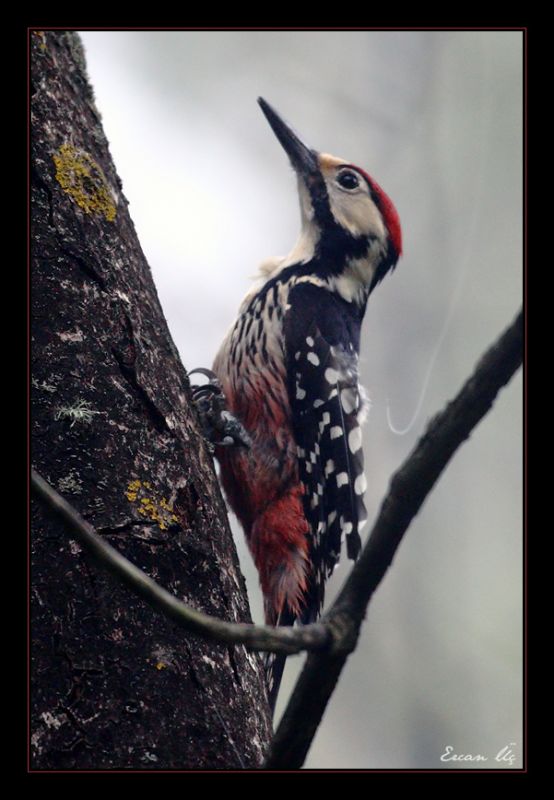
(275, 663)
(275, 666)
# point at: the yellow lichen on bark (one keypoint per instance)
(84, 181)
(150, 505)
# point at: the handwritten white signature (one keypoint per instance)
(504, 756)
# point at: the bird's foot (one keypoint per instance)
(219, 426)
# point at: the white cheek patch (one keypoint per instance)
(356, 212)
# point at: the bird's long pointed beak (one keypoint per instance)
(302, 158)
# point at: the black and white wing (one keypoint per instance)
(327, 407)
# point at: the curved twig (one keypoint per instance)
(255, 637)
(408, 489)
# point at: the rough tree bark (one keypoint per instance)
(113, 684)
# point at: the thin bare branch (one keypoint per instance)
(409, 487)
(255, 637)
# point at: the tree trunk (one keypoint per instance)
(113, 684)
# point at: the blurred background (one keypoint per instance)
(436, 119)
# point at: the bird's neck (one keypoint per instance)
(345, 267)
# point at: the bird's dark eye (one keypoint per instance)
(348, 180)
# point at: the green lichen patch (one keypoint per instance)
(84, 181)
(81, 411)
(70, 483)
(43, 385)
(150, 504)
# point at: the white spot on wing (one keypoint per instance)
(364, 405)
(346, 527)
(300, 393)
(309, 341)
(313, 358)
(331, 375)
(342, 479)
(325, 420)
(336, 431)
(348, 400)
(360, 484)
(318, 403)
(355, 439)
(329, 467)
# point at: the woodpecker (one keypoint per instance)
(288, 368)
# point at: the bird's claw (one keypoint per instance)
(219, 426)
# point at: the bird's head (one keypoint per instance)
(350, 227)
